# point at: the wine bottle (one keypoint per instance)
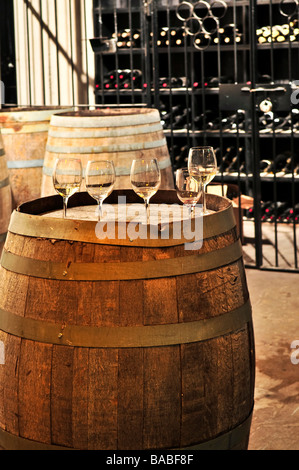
(137, 78)
(177, 36)
(274, 210)
(279, 209)
(202, 40)
(128, 38)
(110, 79)
(277, 33)
(264, 165)
(234, 122)
(278, 163)
(169, 117)
(123, 37)
(136, 38)
(181, 159)
(237, 161)
(227, 37)
(227, 159)
(264, 206)
(122, 79)
(205, 121)
(181, 120)
(289, 215)
(174, 152)
(288, 168)
(173, 82)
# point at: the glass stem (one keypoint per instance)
(147, 209)
(100, 210)
(204, 199)
(65, 201)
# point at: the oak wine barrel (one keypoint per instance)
(25, 133)
(117, 134)
(5, 196)
(121, 343)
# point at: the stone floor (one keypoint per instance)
(275, 303)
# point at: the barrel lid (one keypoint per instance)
(35, 219)
(107, 117)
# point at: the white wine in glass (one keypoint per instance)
(145, 179)
(202, 165)
(188, 189)
(100, 180)
(67, 178)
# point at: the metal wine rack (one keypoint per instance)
(228, 80)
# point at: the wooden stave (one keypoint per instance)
(5, 196)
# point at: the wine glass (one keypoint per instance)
(100, 180)
(67, 178)
(145, 179)
(202, 165)
(188, 189)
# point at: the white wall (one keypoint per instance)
(54, 59)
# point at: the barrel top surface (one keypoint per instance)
(109, 112)
(43, 218)
(106, 117)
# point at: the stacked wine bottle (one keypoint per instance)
(121, 79)
(280, 212)
(288, 32)
(178, 36)
(127, 38)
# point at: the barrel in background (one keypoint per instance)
(124, 344)
(117, 134)
(5, 196)
(25, 133)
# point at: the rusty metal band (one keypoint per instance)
(127, 336)
(119, 170)
(106, 148)
(233, 439)
(4, 183)
(85, 231)
(94, 133)
(27, 116)
(116, 271)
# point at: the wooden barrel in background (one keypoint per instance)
(25, 133)
(123, 344)
(117, 134)
(5, 196)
